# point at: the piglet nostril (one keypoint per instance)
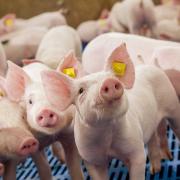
(117, 86)
(40, 118)
(106, 89)
(51, 115)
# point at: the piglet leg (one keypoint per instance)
(154, 153)
(165, 152)
(137, 164)
(97, 172)
(10, 170)
(42, 165)
(58, 151)
(72, 160)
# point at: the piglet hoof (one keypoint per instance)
(28, 146)
(155, 167)
(1, 169)
(166, 154)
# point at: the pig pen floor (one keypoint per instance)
(170, 169)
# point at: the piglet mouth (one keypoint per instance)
(99, 102)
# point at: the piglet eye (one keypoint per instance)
(30, 101)
(81, 90)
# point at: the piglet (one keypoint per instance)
(56, 44)
(93, 61)
(168, 29)
(45, 121)
(116, 112)
(19, 141)
(90, 29)
(10, 23)
(16, 141)
(166, 11)
(22, 44)
(137, 16)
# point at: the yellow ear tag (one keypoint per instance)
(2, 94)
(102, 22)
(119, 68)
(70, 72)
(8, 22)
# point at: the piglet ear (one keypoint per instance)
(29, 61)
(58, 88)
(70, 66)
(16, 81)
(121, 65)
(8, 20)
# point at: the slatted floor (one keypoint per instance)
(117, 171)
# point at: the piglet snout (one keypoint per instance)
(28, 146)
(47, 118)
(111, 90)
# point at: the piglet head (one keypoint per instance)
(98, 96)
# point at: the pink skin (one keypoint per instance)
(28, 146)
(166, 57)
(90, 29)
(39, 112)
(112, 122)
(166, 11)
(93, 61)
(148, 49)
(168, 29)
(56, 44)
(174, 76)
(134, 16)
(111, 90)
(47, 118)
(16, 141)
(3, 27)
(46, 20)
(23, 44)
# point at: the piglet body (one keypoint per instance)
(56, 44)
(168, 29)
(10, 23)
(166, 11)
(22, 44)
(46, 123)
(137, 16)
(117, 114)
(138, 47)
